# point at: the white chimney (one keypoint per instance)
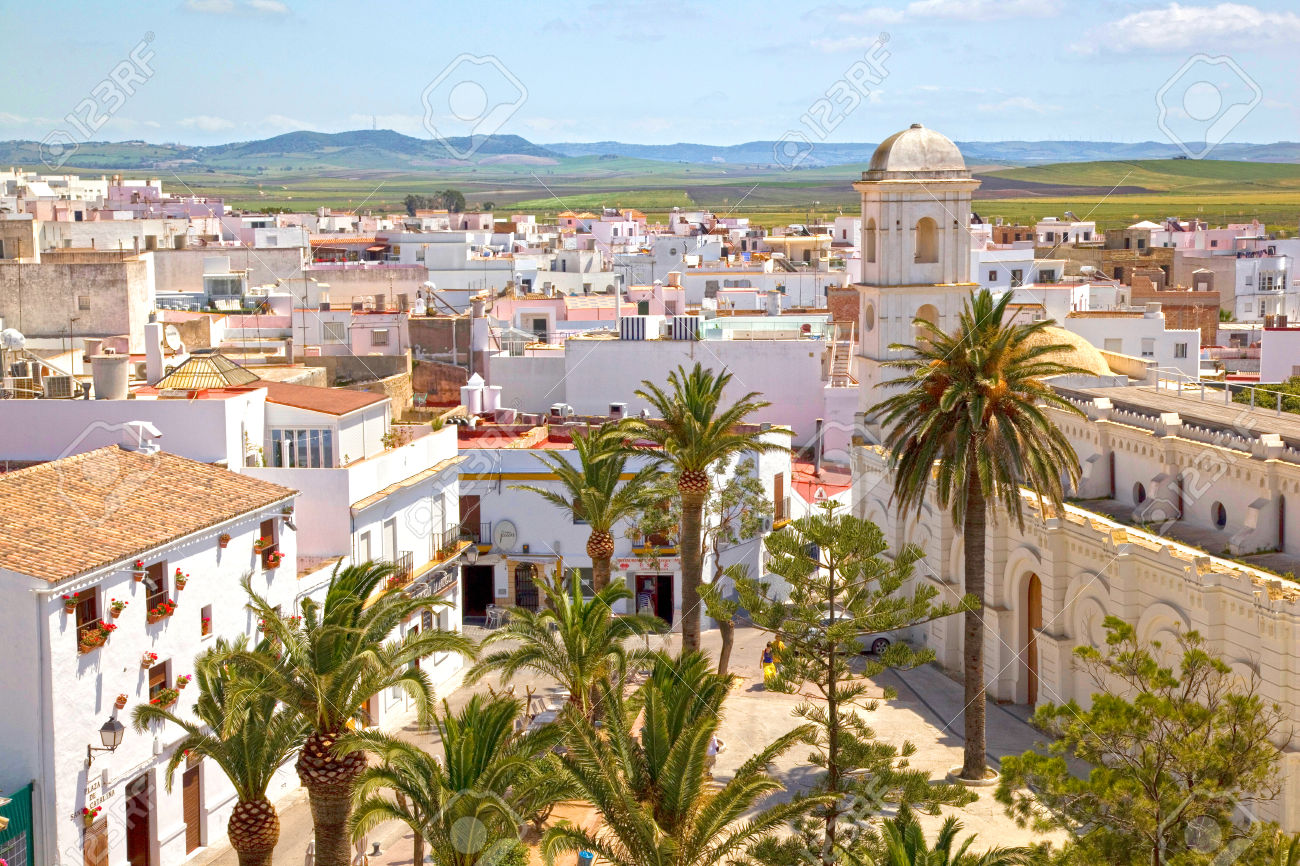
(153, 352)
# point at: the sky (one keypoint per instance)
(214, 71)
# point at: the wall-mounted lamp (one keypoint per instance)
(471, 554)
(110, 734)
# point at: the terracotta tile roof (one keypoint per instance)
(70, 516)
(330, 401)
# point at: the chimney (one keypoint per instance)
(153, 353)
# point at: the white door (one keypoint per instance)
(390, 539)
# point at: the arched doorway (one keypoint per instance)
(928, 312)
(1033, 622)
(526, 586)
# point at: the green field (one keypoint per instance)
(1114, 194)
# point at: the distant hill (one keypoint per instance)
(840, 153)
(381, 149)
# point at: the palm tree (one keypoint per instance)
(974, 403)
(470, 807)
(654, 792)
(904, 845)
(576, 642)
(332, 660)
(696, 431)
(248, 741)
(594, 490)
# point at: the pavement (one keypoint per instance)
(926, 712)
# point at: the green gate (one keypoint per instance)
(16, 843)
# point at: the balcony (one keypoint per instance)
(479, 533)
(404, 564)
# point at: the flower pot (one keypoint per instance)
(120, 702)
(69, 607)
(223, 539)
(138, 574)
(259, 546)
(180, 582)
(115, 612)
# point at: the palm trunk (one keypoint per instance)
(692, 568)
(600, 570)
(328, 778)
(728, 629)
(418, 851)
(974, 764)
(253, 830)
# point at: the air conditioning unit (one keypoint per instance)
(617, 410)
(767, 524)
(561, 410)
(59, 386)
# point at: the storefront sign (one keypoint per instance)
(505, 536)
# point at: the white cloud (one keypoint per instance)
(206, 123)
(284, 124)
(982, 10)
(268, 7)
(1181, 28)
(1017, 104)
(230, 7)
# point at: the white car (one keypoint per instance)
(871, 642)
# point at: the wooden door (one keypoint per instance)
(139, 823)
(190, 801)
(94, 846)
(1034, 608)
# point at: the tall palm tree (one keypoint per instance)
(249, 741)
(697, 430)
(653, 790)
(904, 845)
(470, 807)
(594, 491)
(331, 661)
(974, 402)
(576, 642)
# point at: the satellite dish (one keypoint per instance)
(11, 338)
(172, 337)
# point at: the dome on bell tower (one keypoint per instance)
(916, 152)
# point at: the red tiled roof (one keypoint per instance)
(70, 516)
(330, 401)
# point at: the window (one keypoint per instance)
(1148, 347)
(1219, 515)
(205, 621)
(1051, 237)
(1114, 344)
(1139, 494)
(87, 611)
(1017, 278)
(1213, 242)
(155, 584)
(334, 332)
(83, 302)
(993, 276)
(927, 241)
(1142, 244)
(1087, 236)
(159, 678)
(871, 240)
(1047, 276)
(363, 547)
(302, 449)
(585, 578)
(1180, 350)
(267, 531)
(379, 337)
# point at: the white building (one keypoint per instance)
(121, 525)
(523, 539)
(1140, 334)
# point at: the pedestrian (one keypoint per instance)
(715, 746)
(769, 665)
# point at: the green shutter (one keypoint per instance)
(16, 842)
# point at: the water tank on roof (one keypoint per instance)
(110, 375)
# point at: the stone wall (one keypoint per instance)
(433, 337)
(360, 368)
(843, 303)
(398, 389)
(107, 295)
(442, 382)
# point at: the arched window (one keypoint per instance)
(927, 241)
(928, 312)
(869, 239)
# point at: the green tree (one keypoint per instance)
(330, 662)
(468, 808)
(738, 510)
(451, 199)
(652, 784)
(840, 586)
(249, 740)
(903, 844)
(594, 491)
(974, 402)
(576, 642)
(694, 432)
(1173, 752)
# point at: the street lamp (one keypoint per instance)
(471, 554)
(110, 734)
